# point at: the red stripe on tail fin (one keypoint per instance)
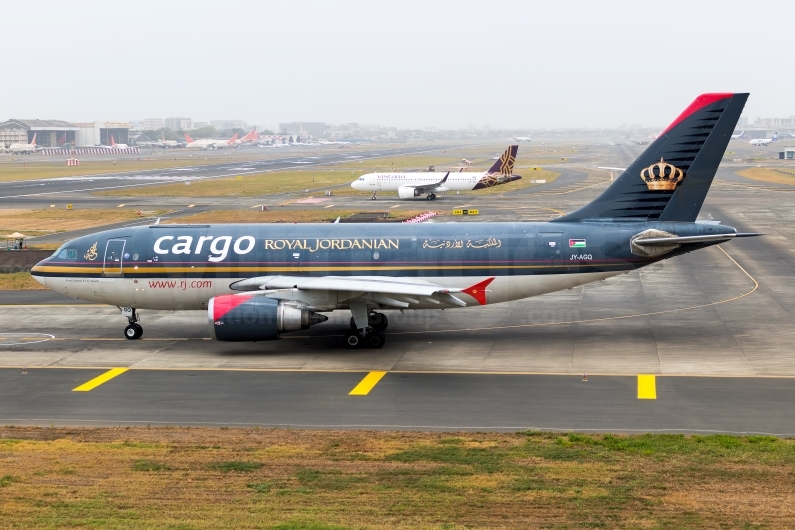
(699, 103)
(188, 138)
(478, 291)
(232, 139)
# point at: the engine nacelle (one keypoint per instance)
(407, 192)
(250, 317)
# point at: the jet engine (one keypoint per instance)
(239, 318)
(407, 192)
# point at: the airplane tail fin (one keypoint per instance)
(233, 138)
(187, 138)
(33, 142)
(162, 136)
(671, 178)
(112, 141)
(505, 164)
(775, 137)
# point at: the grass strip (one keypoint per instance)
(269, 478)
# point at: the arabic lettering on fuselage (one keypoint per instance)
(460, 243)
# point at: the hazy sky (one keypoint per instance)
(513, 64)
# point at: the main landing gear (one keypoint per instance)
(430, 197)
(133, 331)
(374, 197)
(372, 336)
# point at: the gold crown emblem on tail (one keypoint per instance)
(662, 176)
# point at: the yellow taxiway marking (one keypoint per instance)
(395, 206)
(329, 206)
(647, 387)
(255, 206)
(367, 384)
(120, 206)
(191, 205)
(104, 378)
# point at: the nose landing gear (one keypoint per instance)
(133, 331)
(374, 197)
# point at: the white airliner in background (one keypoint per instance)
(23, 149)
(522, 138)
(740, 136)
(764, 141)
(415, 184)
(209, 143)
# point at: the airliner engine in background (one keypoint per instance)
(209, 143)
(764, 141)
(412, 185)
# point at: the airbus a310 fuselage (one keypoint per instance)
(257, 281)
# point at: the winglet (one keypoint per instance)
(478, 291)
(445, 178)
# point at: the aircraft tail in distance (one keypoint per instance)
(505, 163)
(33, 142)
(671, 178)
(187, 138)
(233, 138)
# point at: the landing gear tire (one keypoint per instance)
(375, 320)
(353, 340)
(430, 197)
(375, 339)
(133, 332)
(378, 321)
(374, 197)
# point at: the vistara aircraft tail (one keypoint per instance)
(416, 184)
(257, 281)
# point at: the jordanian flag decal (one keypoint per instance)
(576, 243)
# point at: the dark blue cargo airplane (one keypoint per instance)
(257, 281)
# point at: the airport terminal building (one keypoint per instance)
(59, 134)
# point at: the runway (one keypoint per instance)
(30, 193)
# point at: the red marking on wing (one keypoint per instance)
(478, 291)
(225, 303)
(699, 103)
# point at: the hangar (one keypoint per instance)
(58, 133)
(49, 133)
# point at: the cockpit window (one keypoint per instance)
(361, 178)
(67, 253)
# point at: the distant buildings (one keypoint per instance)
(303, 128)
(153, 124)
(775, 123)
(224, 125)
(179, 124)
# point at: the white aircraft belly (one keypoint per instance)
(191, 293)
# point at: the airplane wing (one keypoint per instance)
(433, 186)
(391, 292)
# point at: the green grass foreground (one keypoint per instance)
(183, 478)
